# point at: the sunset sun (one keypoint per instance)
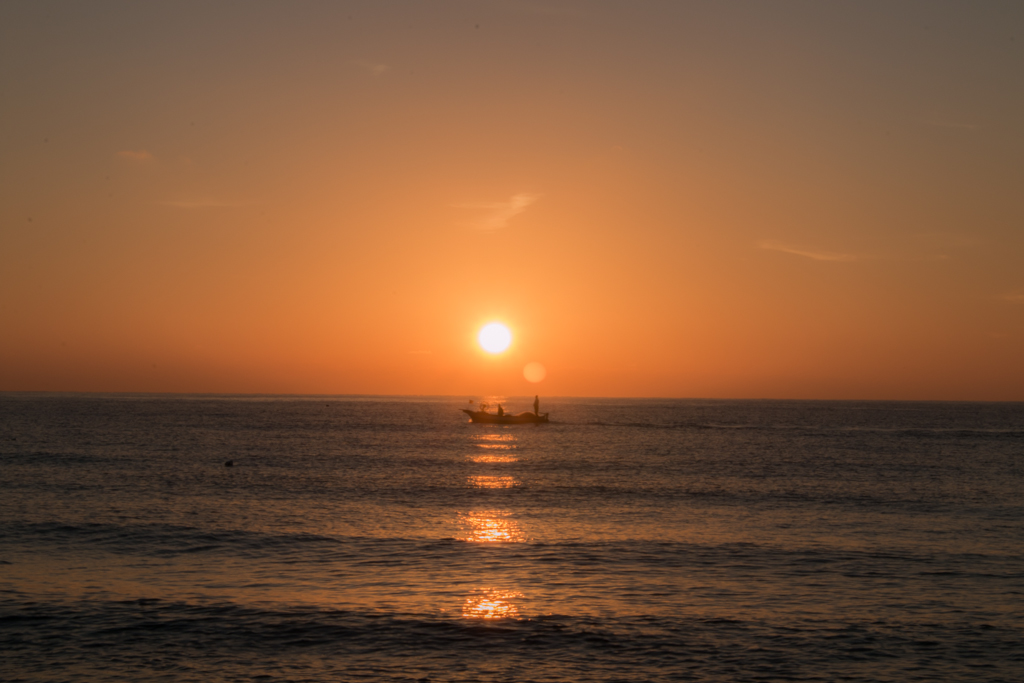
(494, 338)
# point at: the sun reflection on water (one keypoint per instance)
(493, 458)
(490, 482)
(491, 604)
(490, 526)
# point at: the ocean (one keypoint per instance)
(389, 539)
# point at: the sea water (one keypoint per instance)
(364, 539)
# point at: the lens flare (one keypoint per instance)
(534, 372)
(494, 338)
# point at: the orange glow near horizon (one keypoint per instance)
(830, 212)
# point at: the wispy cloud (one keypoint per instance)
(375, 68)
(836, 256)
(135, 155)
(497, 215)
(809, 253)
(1016, 297)
(199, 204)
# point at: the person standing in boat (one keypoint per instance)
(536, 406)
(501, 411)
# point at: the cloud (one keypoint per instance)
(137, 155)
(374, 68)
(498, 214)
(807, 253)
(818, 255)
(1014, 297)
(199, 204)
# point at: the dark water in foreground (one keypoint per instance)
(388, 539)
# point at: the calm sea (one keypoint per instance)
(366, 539)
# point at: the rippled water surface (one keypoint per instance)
(628, 540)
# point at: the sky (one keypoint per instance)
(668, 199)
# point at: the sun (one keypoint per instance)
(494, 338)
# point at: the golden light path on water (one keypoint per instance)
(493, 482)
(491, 604)
(485, 459)
(505, 438)
(495, 442)
(492, 526)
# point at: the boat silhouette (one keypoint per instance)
(491, 418)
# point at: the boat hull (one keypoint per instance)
(491, 418)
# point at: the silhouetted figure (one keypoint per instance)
(536, 406)
(501, 411)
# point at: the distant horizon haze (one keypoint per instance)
(512, 401)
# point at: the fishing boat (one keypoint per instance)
(491, 418)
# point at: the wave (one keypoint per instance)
(163, 540)
(154, 639)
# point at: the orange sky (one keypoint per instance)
(788, 200)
